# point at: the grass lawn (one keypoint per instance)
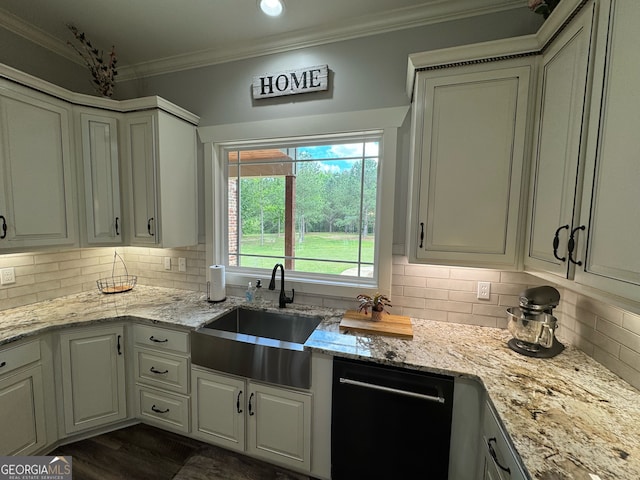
(321, 246)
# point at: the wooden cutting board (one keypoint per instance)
(392, 325)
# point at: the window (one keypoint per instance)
(310, 205)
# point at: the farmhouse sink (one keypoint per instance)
(257, 344)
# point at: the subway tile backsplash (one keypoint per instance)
(447, 294)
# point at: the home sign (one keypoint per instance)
(291, 82)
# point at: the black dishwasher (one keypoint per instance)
(389, 422)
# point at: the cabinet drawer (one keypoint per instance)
(15, 357)
(495, 440)
(162, 409)
(161, 338)
(162, 370)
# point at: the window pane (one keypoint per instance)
(312, 208)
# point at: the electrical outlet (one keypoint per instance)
(167, 263)
(484, 290)
(7, 276)
(182, 264)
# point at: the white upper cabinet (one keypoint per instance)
(610, 210)
(557, 166)
(125, 171)
(37, 185)
(468, 140)
(101, 178)
(160, 159)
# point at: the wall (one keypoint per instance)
(27, 57)
(448, 294)
(366, 73)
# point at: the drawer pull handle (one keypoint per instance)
(251, 412)
(153, 339)
(149, 227)
(556, 243)
(157, 410)
(421, 234)
(422, 396)
(119, 348)
(4, 227)
(117, 226)
(572, 245)
(238, 409)
(2, 364)
(153, 370)
(494, 455)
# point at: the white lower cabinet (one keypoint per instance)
(21, 400)
(162, 409)
(264, 421)
(161, 369)
(499, 461)
(93, 377)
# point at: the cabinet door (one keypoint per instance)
(279, 428)
(93, 382)
(36, 186)
(610, 212)
(22, 413)
(468, 169)
(557, 169)
(101, 179)
(218, 409)
(140, 133)
(500, 462)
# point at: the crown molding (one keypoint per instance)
(532, 44)
(10, 22)
(11, 79)
(434, 12)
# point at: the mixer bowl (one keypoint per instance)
(532, 329)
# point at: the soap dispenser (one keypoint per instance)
(249, 293)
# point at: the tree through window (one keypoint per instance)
(311, 207)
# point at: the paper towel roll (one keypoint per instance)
(217, 285)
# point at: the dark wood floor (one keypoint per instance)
(142, 452)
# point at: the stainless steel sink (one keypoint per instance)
(257, 344)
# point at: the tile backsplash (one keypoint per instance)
(606, 333)
(44, 275)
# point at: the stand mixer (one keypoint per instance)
(533, 325)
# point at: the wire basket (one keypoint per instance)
(117, 283)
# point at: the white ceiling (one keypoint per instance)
(157, 36)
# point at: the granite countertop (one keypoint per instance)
(568, 417)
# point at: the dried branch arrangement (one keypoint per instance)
(103, 71)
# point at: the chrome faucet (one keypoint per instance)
(283, 299)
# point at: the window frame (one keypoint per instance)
(218, 138)
(319, 140)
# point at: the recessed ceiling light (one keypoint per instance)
(273, 8)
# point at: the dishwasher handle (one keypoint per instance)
(373, 386)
